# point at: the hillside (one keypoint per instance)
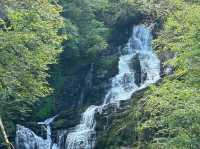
(105, 74)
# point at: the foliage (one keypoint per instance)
(174, 106)
(168, 114)
(27, 45)
(91, 28)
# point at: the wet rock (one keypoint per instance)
(67, 119)
(59, 137)
(39, 130)
(137, 69)
(166, 69)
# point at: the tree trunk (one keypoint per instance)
(5, 137)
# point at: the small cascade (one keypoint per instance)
(27, 139)
(123, 84)
(83, 134)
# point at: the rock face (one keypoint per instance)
(85, 84)
(66, 119)
(166, 69)
(107, 136)
(137, 67)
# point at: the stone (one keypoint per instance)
(165, 56)
(137, 68)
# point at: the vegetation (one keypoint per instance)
(29, 41)
(92, 27)
(167, 116)
(38, 79)
(172, 107)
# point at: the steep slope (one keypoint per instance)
(166, 115)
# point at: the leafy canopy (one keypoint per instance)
(28, 44)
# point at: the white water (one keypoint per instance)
(123, 85)
(27, 139)
(82, 137)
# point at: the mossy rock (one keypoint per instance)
(67, 119)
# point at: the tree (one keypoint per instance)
(3, 132)
(27, 46)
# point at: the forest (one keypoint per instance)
(99, 74)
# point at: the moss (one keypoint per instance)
(45, 108)
(59, 123)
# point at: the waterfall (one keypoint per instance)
(27, 139)
(123, 84)
(129, 79)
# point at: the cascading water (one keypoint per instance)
(123, 85)
(27, 139)
(82, 137)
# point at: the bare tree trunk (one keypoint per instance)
(5, 137)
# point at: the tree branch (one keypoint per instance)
(5, 137)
